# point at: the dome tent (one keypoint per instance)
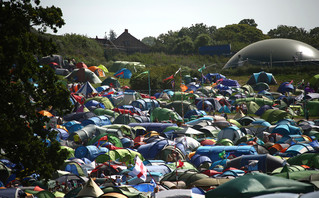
(274, 51)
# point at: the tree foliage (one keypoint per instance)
(29, 88)
(250, 22)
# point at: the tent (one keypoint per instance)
(309, 159)
(263, 162)
(286, 87)
(106, 102)
(181, 107)
(233, 133)
(254, 184)
(81, 65)
(90, 152)
(262, 77)
(123, 73)
(274, 115)
(213, 77)
(133, 66)
(83, 75)
(87, 89)
(314, 81)
(112, 82)
(120, 155)
(163, 114)
(98, 71)
(213, 151)
(90, 189)
(103, 68)
(188, 176)
(145, 104)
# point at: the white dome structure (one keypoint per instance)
(274, 52)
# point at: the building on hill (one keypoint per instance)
(129, 43)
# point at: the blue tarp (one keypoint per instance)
(90, 152)
(213, 151)
(98, 120)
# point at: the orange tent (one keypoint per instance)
(45, 113)
(98, 71)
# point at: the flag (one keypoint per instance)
(139, 169)
(146, 72)
(202, 68)
(177, 71)
(153, 183)
(119, 74)
(180, 164)
(291, 82)
(170, 77)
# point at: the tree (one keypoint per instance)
(290, 32)
(184, 45)
(250, 22)
(112, 35)
(29, 88)
(150, 41)
(202, 40)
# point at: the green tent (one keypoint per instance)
(163, 114)
(309, 159)
(70, 151)
(252, 107)
(274, 115)
(186, 165)
(181, 107)
(255, 184)
(128, 191)
(125, 129)
(124, 119)
(107, 112)
(314, 81)
(103, 68)
(121, 155)
(110, 138)
(247, 89)
(188, 176)
(313, 108)
(112, 82)
(184, 96)
(41, 194)
(260, 101)
(106, 102)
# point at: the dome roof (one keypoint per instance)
(275, 51)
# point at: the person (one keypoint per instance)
(118, 180)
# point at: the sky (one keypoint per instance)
(145, 18)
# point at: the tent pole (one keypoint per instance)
(149, 84)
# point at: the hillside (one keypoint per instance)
(87, 50)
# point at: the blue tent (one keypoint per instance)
(90, 152)
(197, 160)
(286, 87)
(262, 109)
(230, 83)
(194, 112)
(98, 120)
(213, 151)
(286, 130)
(123, 73)
(205, 105)
(87, 89)
(213, 77)
(262, 77)
(150, 150)
(145, 104)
